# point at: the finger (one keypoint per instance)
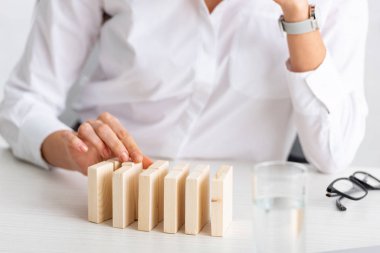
(146, 162)
(86, 132)
(123, 135)
(107, 135)
(74, 142)
(134, 151)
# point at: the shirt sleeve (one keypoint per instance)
(62, 36)
(329, 104)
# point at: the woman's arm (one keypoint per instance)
(61, 38)
(325, 79)
(306, 51)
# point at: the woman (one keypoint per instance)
(201, 79)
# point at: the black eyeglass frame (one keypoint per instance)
(333, 192)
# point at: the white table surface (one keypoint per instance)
(46, 211)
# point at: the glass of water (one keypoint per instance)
(278, 207)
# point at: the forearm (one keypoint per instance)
(306, 51)
(328, 96)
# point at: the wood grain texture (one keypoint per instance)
(174, 197)
(125, 194)
(151, 195)
(221, 200)
(100, 191)
(197, 206)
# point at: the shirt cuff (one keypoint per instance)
(319, 90)
(35, 128)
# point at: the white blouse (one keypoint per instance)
(192, 85)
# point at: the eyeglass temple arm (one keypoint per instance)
(329, 194)
(339, 204)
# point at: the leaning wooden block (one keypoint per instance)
(100, 191)
(197, 199)
(151, 195)
(174, 198)
(221, 200)
(125, 194)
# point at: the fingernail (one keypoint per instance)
(105, 153)
(137, 157)
(146, 162)
(83, 148)
(124, 156)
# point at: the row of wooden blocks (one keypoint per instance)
(126, 193)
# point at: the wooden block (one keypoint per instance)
(151, 195)
(116, 163)
(125, 194)
(197, 206)
(100, 191)
(221, 200)
(127, 164)
(174, 198)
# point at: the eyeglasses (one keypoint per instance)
(355, 187)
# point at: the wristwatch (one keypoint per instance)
(309, 25)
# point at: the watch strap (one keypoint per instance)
(309, 25)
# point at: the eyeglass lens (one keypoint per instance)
(348, 187)
(370, 180)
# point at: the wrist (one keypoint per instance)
(296, 12)
(53, 150)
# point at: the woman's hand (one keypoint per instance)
(294, 10)
(96, 140)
